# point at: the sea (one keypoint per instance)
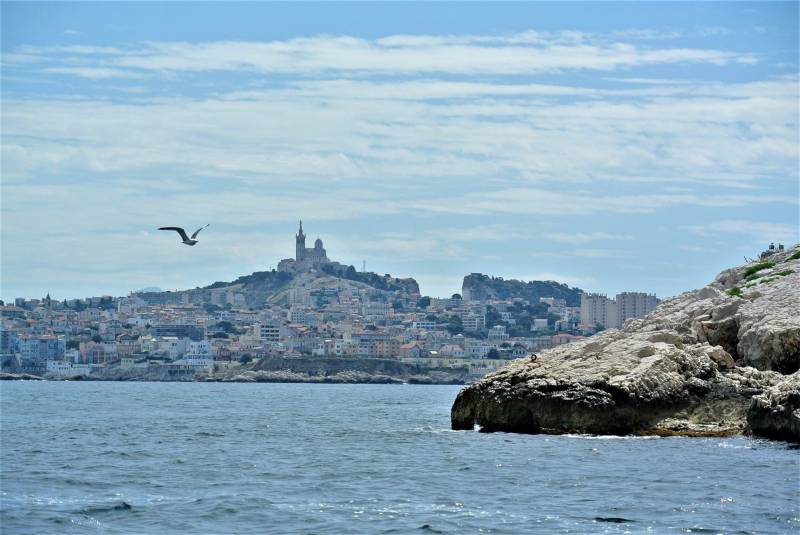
(162, 458)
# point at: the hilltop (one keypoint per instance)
(478, 286)
(273, 287)
(719, 360)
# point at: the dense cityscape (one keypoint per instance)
(320, 309)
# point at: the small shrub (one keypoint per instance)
(795, 256)
(783, 273)
(758, 267)
(735, 292)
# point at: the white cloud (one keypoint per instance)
(521, 53)
(94, 73)
(415, 127)
(548, 202)
(586, 237)
(763, 231)
(724, 134)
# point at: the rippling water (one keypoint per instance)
(298, 458)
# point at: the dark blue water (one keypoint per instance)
(293, 458)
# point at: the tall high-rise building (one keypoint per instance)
(597, 309)
(635, 305)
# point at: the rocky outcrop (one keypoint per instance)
(692, 367)
(477, 286)
(18, 377)
(776, 412)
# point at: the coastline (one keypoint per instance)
(248, 376)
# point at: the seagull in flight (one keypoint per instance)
(186, 239)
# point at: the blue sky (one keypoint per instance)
(612, 146)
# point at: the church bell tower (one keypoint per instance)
(300, 244)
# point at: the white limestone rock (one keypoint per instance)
(691, 367)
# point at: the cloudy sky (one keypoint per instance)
(609, 146)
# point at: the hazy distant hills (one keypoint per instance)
(478, 286)
(264, 287)
(274, 287)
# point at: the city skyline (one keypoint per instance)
(529, 141)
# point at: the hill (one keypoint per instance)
(477, 286)
(264, 287)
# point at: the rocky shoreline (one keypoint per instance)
(721, 360)
(252, 376)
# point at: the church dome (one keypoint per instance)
(318, 244)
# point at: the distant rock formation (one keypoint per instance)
(18, 377)
(713, 361)
(262, 287)
(480, 287)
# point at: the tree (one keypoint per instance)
(73, 344)
(226, 326)
(454, 325)
(244, 359)
(455, 296)
(493, 317)
(493, 354)
(424, 302)
(97, 338)
(398, 306)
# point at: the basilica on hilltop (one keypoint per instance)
(305, 258)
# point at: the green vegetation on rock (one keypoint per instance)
(758, 267)
(735, 292)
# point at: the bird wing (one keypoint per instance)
(196, 232)
(179, 230)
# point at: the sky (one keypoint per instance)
(610, 146)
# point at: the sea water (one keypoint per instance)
(102, 457)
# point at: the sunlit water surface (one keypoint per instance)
(297, 458)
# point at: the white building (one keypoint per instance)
(597, 309)
(67, 369)
(498, 332)
(376, 311)
(270, 333)
(300, 297)
(172, 346)
(635, 305)
(199, 350)
(303, 316)
(473, 322)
